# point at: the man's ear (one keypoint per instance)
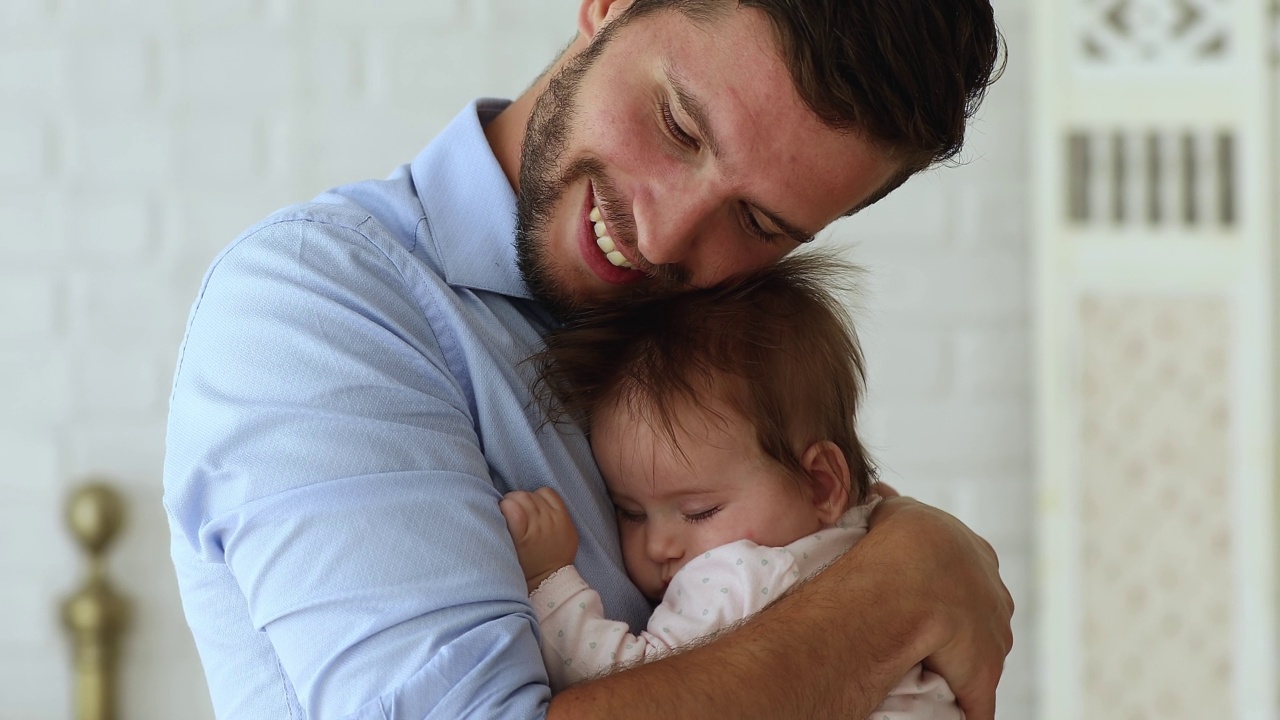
(828, 472)
(593, 14)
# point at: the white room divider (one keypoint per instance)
(1155, 141)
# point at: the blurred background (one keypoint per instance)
(1060, 352)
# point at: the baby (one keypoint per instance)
(722, 421)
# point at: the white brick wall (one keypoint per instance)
(139, 136)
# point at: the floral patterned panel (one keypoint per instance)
(1154, 467)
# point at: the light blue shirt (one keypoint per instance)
(349, 406)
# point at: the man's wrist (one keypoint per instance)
(903, 546)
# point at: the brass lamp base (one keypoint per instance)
(95, 615)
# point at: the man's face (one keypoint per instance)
(691, 145)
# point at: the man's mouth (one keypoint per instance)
(604, 241)
(610, 247)
(604, 252)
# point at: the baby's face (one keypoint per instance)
(673, 507)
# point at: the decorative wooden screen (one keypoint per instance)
(1156, 141)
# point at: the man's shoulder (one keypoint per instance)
(327, 216)
(330, 225)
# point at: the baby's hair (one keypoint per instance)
(775, 345)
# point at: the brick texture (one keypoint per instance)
(145, 134)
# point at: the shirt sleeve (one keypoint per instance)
(711, 592)
(321, 449)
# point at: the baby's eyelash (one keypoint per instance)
(704, 515)
(627, 516)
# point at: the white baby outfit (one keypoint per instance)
(712, 591)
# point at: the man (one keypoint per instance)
(351, 401)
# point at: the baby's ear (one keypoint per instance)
(828, 472)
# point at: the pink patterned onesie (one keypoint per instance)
(711, 592)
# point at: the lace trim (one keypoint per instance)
(548, 579)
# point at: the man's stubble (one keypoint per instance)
(544, 179)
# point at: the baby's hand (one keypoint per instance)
(543, 533)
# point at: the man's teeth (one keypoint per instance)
(605, 242)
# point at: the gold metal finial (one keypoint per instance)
(94, 514)
(95, 615)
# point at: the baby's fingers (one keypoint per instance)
(517, 508)
(550, 500)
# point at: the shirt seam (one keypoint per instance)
(284, 686)
(356, 228)
(426, 315)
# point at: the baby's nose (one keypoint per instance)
(664, 546)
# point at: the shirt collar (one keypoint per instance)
(469, 206)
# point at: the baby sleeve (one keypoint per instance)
(713, 591)
(722, 587)
(578, 641)
(921, 695)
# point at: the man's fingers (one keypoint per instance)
(980, 702)
(985, 709)
(990, 549)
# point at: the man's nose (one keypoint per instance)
(673, 219)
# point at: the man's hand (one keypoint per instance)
(956, 573)
(542, 530)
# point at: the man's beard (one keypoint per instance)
(542, 182)
(544, 178)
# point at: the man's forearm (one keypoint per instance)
(832, 648)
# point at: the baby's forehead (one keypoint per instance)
(703, 412)
(671, 445)
(703, 392)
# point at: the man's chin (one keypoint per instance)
(540, 278)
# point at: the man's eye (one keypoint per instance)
(674, 128)
(753, 226)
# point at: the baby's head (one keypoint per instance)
(718, 415)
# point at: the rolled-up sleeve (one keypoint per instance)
(321, 451)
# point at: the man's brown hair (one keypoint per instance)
(776, 346)
(907, 74)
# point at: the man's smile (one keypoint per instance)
(604, 254)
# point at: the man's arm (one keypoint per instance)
(337, 533)
(920, 585)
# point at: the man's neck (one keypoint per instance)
(505, 133)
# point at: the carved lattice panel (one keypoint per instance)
(1157, 585)
(1155, 156)
(1152, 178)
(1154, 31)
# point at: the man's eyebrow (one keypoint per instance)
(694, 107)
